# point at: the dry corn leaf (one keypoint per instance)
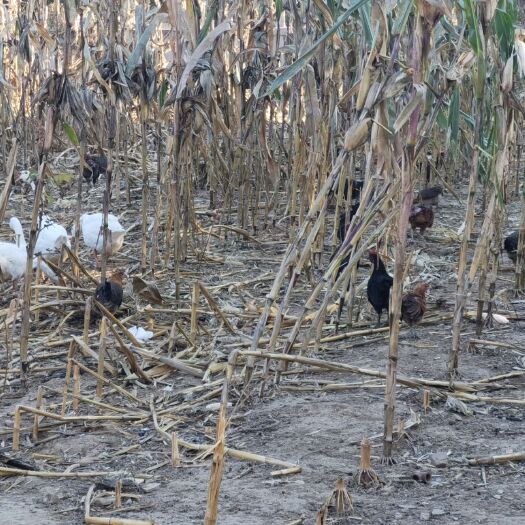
(455, 405)
(204, 45)
(349, 94)
(459, 69)
(338, 43)
(45, 35)
(357, 135)
(395, 85)
(489, 9)
(433, 10)
(519, 45)
(414, 103)
(147, 291)
(378, 20)
(507, 75)
(366, 80)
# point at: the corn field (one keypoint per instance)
(258, 154)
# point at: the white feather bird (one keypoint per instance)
(51, 237)
(13, 256)
(91, 228)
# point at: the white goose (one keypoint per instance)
(13, 256)
(91, 228)
(51, 237)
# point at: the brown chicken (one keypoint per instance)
(110, 293)
(429, 196)
(414, 305)
(421, 217)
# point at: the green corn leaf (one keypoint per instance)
(504, 21)
(298, 65)
(209, 19)
(70, 132)
(364, 15)
(468, 119)
(401, 21)
(453, 115)
(475, 37)
(480, 77)
(441, 120)
(162, 93)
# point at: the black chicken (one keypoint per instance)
(379, 284)
(341, 234)
(357, 186)
(341, 231)
(429, 196)
(511, 246)
(95, 166)
(110, 293)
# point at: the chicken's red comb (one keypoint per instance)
(372, 251)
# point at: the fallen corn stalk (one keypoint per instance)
(341, 367)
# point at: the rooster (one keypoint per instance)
(95, 166)
(511, 246)
(378, 287)
(421, 217)
(429, 196)
(414, 305)
(110, 293)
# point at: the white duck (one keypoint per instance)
(51, 237)
(91, 228)
(13, 256)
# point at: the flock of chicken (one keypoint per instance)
(413, 305)
(51, 237)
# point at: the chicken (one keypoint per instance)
(414, 305)
(429, 196)
(379, 284)
(110, 293)
(341, 234)
(511, 245)
(421, 217)
(95, 166)
(357, 186)
(341, 231)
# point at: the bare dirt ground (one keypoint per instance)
(302, 421)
